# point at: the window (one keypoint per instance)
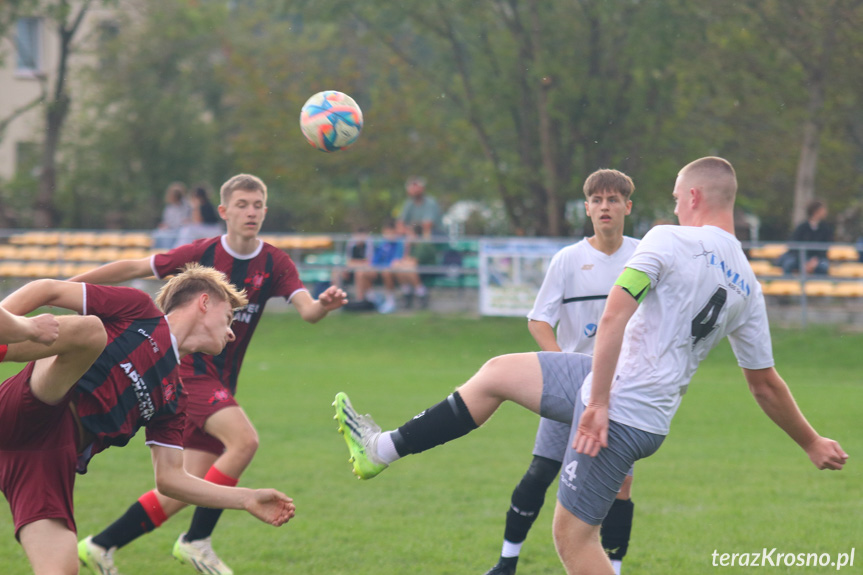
(28, 45)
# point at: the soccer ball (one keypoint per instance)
(331, 121)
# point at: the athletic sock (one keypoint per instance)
(510, 550)
(387, 449)
(616, 528)
(204, 519)
(142, 517)
(616, 565)
(448, 420)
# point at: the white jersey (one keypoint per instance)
(573, 293)
(701, 289)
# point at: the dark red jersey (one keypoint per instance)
(135, 382)
(268, 272)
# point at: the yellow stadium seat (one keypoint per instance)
(765, 268)
(842, 254)
(848, 289)
(819, 288)
(767, 251)
(846, 270)
(136, 241)
(783, 287)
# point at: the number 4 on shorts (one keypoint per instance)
(570, 470)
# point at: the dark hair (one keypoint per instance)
(813, 207)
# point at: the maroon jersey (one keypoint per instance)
(268, 272)
(135, 382)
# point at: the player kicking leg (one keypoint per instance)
(547, 383)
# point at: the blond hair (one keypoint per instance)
(712, 175)
(193, 280)
(607, 180)
(245, 182)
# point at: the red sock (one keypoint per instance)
(219, 478)
(150, 502)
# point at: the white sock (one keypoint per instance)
(616, 563)
(511, 549)
(387, 449)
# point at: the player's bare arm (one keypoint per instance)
(312, 310)
(116, 272)
(172, 480)
(773, 396)
(543, 334)
(40, 329)
(45, 292)
(592, 432)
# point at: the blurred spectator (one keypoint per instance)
(204, 220)
(175, 214)
(814, 229)
(420, 218)
(387, 256)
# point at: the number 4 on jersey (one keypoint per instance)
(705, 320)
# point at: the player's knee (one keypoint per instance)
(89, 334)
(246, 442)
(530, 492)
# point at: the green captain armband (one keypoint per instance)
(635, 282)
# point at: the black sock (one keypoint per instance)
(131, 525)
(616, 528)
(528, 497)
(203, 522)
(448, 420)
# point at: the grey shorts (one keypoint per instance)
(588, 485)
(551, 438)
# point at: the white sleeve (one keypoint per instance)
(653, 253)
(546, 307)
(751, 341)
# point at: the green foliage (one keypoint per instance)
(726, 478)
(513, 101)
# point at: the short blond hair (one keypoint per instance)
(245, 182)
(607, 180)
(712, 175)
(193, 280)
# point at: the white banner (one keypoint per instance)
(511, 271)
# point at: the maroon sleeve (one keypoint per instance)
(118, 302)
(287, 277)
(171, 262)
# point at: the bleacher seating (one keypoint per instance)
(843, 280)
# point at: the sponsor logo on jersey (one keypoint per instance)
(219, 396)
(733, 279)
(256, 281)
(587, 267)
(590, 330)
(145, 402)
(246, 314)
(169, 390)
(152, 341)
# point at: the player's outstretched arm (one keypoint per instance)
(774, 397)
(315, 310)
(40, 329)
(45, 292)
(172, 480)
(543, 334)
(116, 272)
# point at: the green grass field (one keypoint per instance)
(726, 479)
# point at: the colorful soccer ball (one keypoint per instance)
(331, 121)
